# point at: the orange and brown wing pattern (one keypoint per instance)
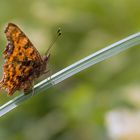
(23, 62)
(14, 77)
(19, 45)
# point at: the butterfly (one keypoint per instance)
(23, 63)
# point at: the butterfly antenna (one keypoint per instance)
(55, 39)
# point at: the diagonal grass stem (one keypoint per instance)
(78, 66)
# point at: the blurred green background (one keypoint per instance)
(78, 108)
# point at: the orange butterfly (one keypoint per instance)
(23, 63)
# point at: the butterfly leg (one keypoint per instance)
(32, 84)
(49, 71)
(26, 86)
(33, 91)
(46, 59)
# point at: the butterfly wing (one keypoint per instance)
(22, 61)
(19, 45)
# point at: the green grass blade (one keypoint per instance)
(80, 65)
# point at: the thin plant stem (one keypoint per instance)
(78, 66)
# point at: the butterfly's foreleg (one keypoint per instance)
(33, 91)
(46, 59)
(26, 86)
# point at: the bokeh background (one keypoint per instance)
(99, 103)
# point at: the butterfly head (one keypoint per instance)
(46, 58)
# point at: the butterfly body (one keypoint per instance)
(23, 63)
